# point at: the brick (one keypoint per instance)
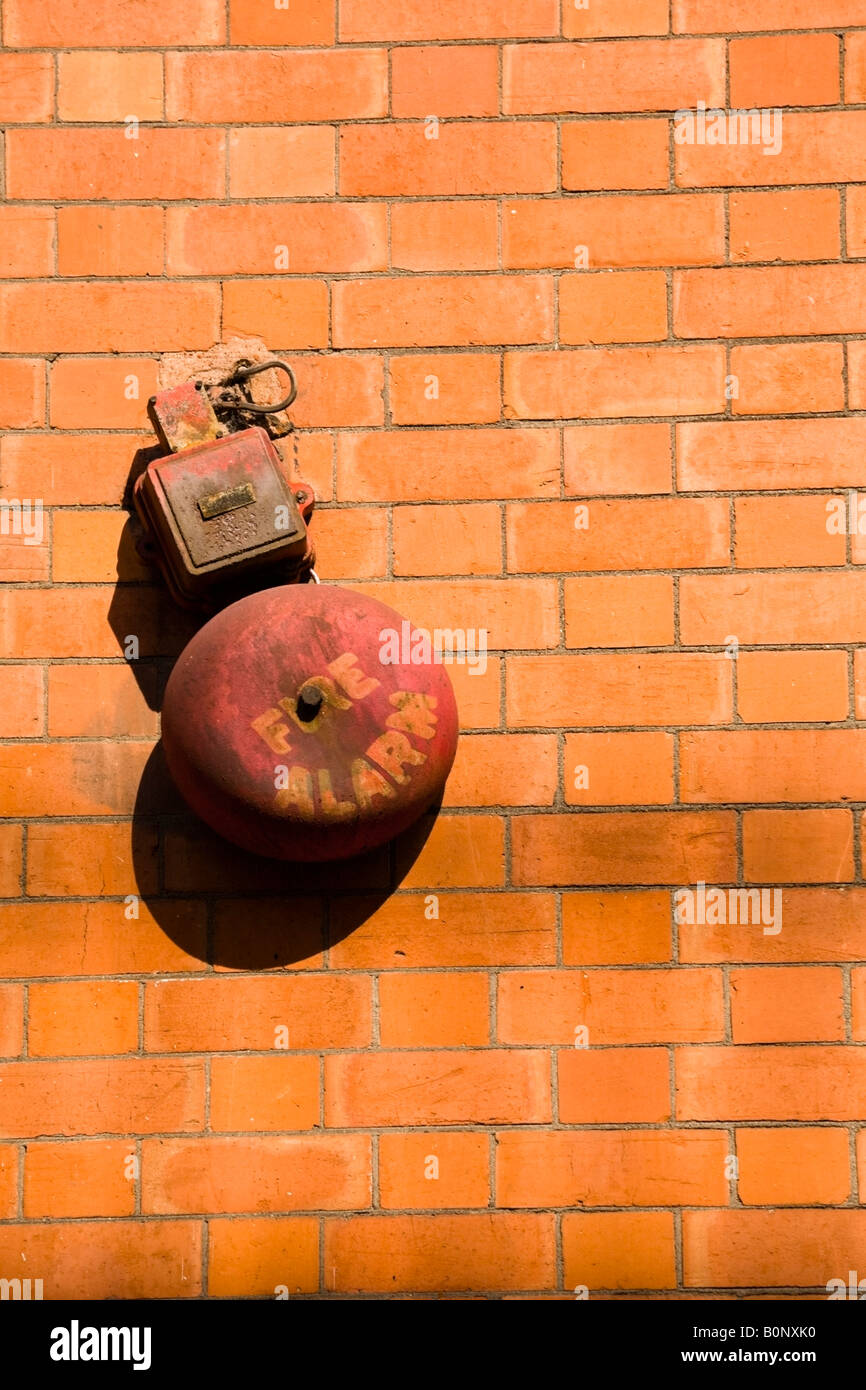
(93, 779)
(27, 86)
(726, 1249)
(85, 1178)
(25, 562)
(351, 543)
(434, 311)
(130, 316)
(769, 1083)
(744, 455)
(628, 154)
(267, 933)
(702, 16)
(788, 1004)
(773, 687)
(446, 81)
(277, 162)
(641, 75)
(161, 163)
(264, 1093)
(283, 87)
(409, 1176)
(439, 1010)
(616, 928)
(655, 230)
(101, 393)
(288, 314)
(455, 852)
(255, 1174)
(739, 301)
(48, 939)
(788, 377)
(619, 1250)
(22, 393)
(269, 27)
(814, 846)
(230, 238)
(26, 241)
(127, 1095)
(607, 1168)
(90, 859)
(601, 688)
(95, 700)
(66, 469)
(492, 1086)
(513, 612)
(616, 459)
(619, 611)
(855, 67)
(785, 531)
(668, 533)
(496, 1250)
(773, 765)
(101, 24)
(261, 1257)
(856, 223)
(11, 1020)
(11, 840)
(549, 1006)
(793, 1167)
(109, 86)
(82, 1019)
(104, 240)
(22, 694)
(471, 930)
(628, 306)
(442, 235)
(608, 18)
(784, 70)
(448, 466)
(75, 622)
(811, 606)
(109, 1259)
(504, 770)
(232, 1014)
(478, 695)
(362, 21)
(614, 1085)
(856, 375)
(478, 157)
(820, 924)
(681, 380)
(794, 224)
(816, 147)
(858, 1011)
(619, 769)
(9, 1164)
(859, 684)
(621, 847)
(474, 539)
(338, 390)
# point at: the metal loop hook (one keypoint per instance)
(244, 369)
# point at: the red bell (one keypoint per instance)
(290, 730)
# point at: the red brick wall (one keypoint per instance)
(695, 377)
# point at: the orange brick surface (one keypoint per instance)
(565, 377)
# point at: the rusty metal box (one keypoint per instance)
(219, 509)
